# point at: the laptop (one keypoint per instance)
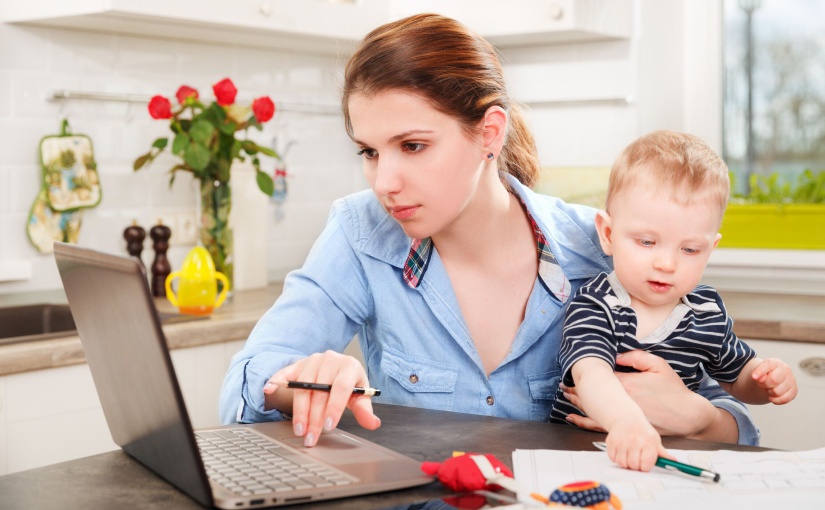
(238, 466)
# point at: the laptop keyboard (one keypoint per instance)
(247, 463)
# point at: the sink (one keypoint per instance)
(43, 321)
(35, 322)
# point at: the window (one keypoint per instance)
(774, 97)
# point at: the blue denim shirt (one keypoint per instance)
(416, 346)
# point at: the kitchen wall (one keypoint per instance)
(653, 69)
(34, 62)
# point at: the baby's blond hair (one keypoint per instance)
(679, 163)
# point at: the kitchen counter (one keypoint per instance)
(784, 317)
(233, 321)
(756, 316)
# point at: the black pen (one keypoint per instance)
(676, 466)
(370, 392)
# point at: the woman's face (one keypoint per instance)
(420, 163)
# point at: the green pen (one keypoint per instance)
(675, 466)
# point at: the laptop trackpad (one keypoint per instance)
(338, 449)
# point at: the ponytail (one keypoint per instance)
(519, 156)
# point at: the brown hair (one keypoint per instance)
(455, 70)
(679, 162)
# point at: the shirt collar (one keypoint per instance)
(416, 264)
(622, 298)
(550, 272)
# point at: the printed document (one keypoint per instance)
(752, 480)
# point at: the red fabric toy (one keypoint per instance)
(469, 472)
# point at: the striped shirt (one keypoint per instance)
(696, 338)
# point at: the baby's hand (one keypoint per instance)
(775, 377)
(635, 445)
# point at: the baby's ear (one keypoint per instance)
(605, 230)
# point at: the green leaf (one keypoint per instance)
(197, 156)
(250, 147)
(228, 128)
(180, 143)
(216, 110)
(265, 182)
(202, 131)
(223, 167)
(235, 152)
(160, 143)
(141, 161)
(268, 152)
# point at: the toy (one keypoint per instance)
(587, 494)
(467, 472)
(470, 472)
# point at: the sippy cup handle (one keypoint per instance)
(222, 296)
(170, 295)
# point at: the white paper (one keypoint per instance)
(752, 480)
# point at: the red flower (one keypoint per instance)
(185, 91)
(225, 92)
(263, 108)
(160, 108)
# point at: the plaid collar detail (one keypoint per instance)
(417, 261)
(550, 271)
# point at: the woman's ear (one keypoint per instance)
(494, 127)
(605, 230)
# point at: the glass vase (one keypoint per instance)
(215, 232)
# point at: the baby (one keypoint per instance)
(665, 202)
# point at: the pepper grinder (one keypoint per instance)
(160, 234)
(134, 235)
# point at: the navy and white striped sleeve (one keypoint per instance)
(733, 353)
(588, 332)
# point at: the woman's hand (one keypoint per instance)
(668, 404)
(314, 411)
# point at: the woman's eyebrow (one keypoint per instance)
(399, 136)
(406, 134)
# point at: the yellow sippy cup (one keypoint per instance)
(198, 287)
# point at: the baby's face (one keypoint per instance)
(660, 246)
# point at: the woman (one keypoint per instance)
(453, 273)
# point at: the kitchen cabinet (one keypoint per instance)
(799, 424)
(330, 27)
(54, 415)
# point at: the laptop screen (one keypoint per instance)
(118, 324)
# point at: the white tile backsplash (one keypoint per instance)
(78, 52)
(5, 93)
(23, 186)
(38, 49)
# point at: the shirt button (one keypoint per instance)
(490, 400)
(413, 378)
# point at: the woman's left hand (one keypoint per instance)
(672, 408)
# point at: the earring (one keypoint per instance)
(490, 156)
